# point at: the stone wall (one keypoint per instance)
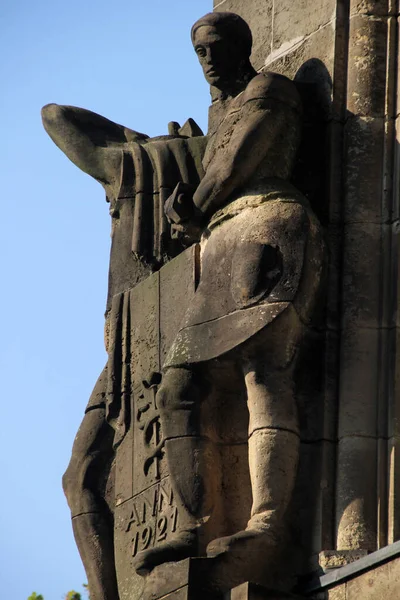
(344, 56)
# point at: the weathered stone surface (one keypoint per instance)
(124, 470)
(356, 502)
(365, 147)
(319, 45)
(373, 7)
(318, 48)
(359, 381)
(378, 584)
(313, 504)
(293, 26)
(338, 593)
(367, 76)
(362, 248)
(177, 287)
(333, 559)
(259, 18)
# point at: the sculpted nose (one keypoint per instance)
(208, 57)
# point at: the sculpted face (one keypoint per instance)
(219, 57)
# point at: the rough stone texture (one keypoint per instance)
(365, 139)
(378, 583)
(361, 271)
(356, 501)
(373, 7)
(293, 61)
(367, 81)
(291, 27)
(359, 382)
(140, 468)
(259, 19)
(335, 559)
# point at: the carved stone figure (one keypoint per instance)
(258, 262)
(262, 258)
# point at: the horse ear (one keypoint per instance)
(190, 129)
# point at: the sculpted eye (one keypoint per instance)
(200, 52)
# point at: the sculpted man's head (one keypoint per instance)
(223, 41)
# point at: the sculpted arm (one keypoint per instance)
(90, 141)
(263, 117)
(235, 165)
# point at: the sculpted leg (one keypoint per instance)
(273, 458)
(92, 521)
(191, 461)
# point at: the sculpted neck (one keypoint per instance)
(239, 83)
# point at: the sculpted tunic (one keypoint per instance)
(262, 254)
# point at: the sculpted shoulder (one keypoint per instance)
(270, 85)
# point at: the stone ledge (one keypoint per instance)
(354, 570)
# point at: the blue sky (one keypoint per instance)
(132, 62)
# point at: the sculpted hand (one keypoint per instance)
(186, 220)
(188, 233)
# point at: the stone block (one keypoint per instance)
(130, 585)
(177, 288)
(373, 7)
(381, 583)
(199, 578)
(356, 498)
(314, 53)
(250, 591)
(334, 559)
(293, 24)
(364, 170)
(338, 593)
(358, 387)
(258, 15)
(361, 276)
(367, 74)
(145, 328)
(126, 269)
(124, 469)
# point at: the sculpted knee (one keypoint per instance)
(177, 390)
(69, 481)
(77, 478)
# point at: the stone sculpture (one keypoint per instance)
(257, 256)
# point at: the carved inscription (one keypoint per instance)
(148, 422)
(153, 517)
